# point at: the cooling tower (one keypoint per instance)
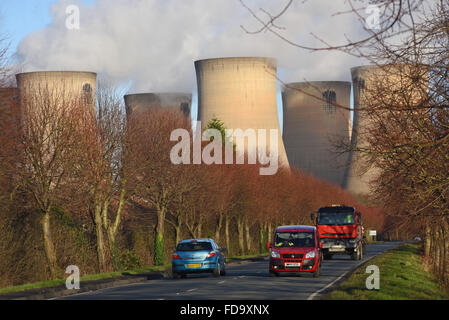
(241, 92)
(384, 86)
(174, 101)
(314, 125)
(63, 85)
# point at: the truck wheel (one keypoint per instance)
(354, 255)
(357, 255)
(274, 274)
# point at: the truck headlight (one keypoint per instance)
(275, 254)
(310, 254)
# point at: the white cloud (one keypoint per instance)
(154, 42)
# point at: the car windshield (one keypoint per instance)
(294, 239)
(194, 246)
(336, 218)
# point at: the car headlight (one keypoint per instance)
(275, 254)
(310, 254)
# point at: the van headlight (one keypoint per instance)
(310, 254)
(275, 254)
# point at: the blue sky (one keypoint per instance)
(112, 27)
(21, 17)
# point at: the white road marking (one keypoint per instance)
(190, 290)
(221, 282)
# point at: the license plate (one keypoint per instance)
(336, 248)
(292, 264)
(195, 265)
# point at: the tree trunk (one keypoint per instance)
(427, 242)
(270, 231)
(218, 228)
(100, 239)
(263, 237)
(248, 236)
(227, 234)
(159, 246)
(50, 251)
(240, 232)
(178, 229)
(199, 228)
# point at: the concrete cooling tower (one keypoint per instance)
(59, 84)
(381, 85)
(313, 125)
(174, 101)
(241, 92)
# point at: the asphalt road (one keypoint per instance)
(242, 281)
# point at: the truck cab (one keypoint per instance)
(340, 230)
(295, 249)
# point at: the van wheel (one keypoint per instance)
(317, 272)
(274, 274)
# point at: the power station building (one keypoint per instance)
(388, 86)
(316, 120)
(173, 101)
(61, 85)
(240, 92)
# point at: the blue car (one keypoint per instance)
(198, 256)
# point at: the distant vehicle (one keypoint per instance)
(295, 249)
(198, 256)
(341, 231)
(417, 238)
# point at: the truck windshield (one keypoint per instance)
(194, 246)
(336, 218)
(294, 239)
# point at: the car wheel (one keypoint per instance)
(217, 270)
(223, 271)
(176, 275)
(327, 256)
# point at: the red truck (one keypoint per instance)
(340, 230)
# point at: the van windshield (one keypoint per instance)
(294, 239)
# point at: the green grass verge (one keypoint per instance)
(402, 277)
(100, 276)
